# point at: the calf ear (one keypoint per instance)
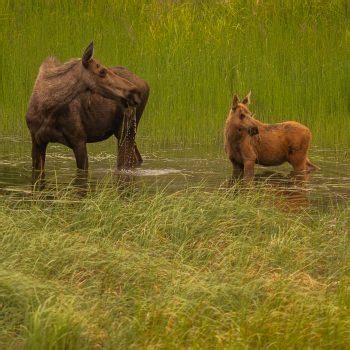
(246, 99)
(235, 102)
(88, 54)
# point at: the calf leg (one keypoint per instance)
(81, 156)
(249, 168)
(237, 168)
(299, 167)
(298, 161)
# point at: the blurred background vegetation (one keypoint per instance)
(292, 54)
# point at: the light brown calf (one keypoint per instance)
(249, 141)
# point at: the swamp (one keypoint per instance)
(176, 253)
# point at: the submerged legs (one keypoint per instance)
(238, 169)
(81, 156)
(38, 161)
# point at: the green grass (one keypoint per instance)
(192, 269)
(292, 54)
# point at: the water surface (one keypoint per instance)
(177, 167)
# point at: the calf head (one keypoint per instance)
(98, 78)
(242, 117)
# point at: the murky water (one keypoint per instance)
(174, 168)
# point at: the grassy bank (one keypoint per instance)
(133, 269)
(293, 55)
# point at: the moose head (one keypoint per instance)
(106, 83)
(242, 117)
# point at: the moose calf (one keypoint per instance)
(249, 141)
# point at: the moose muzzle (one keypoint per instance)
(133, 97)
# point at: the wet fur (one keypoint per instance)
(63, 107)
(274, 145)
(90, 118)
(93, 118)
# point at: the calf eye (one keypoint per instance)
(241, 116)
(102, 73)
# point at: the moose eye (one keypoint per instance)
(102, 73)
(241, 116)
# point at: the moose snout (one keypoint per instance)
(253, 131)
(133, 97)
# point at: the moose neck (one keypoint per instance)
(260, 124)
(58, 86)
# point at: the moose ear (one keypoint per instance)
(88, 54)
(246, 99)
(235, 102)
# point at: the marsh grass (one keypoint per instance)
(293, 55)
(131, 268)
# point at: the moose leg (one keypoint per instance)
(298, 161)
(81, 180)
(249, 168)
(299, 167)
(237, 168)
(38, 160)
(138, 156)
(81, 156)
(38, 156)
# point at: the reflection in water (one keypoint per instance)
(139, 172)
(291, 191)
(173, 169)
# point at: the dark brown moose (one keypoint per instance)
(95, 118)
(78, 102)
(249, 141)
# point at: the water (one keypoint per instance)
(175, 168)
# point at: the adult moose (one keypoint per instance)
(249, 141)
(97, 118)
(54, 115)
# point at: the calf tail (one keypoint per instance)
(311, 166)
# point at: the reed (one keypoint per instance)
(292, 54)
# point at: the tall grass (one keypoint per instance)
(292, 54)
(192, 269)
